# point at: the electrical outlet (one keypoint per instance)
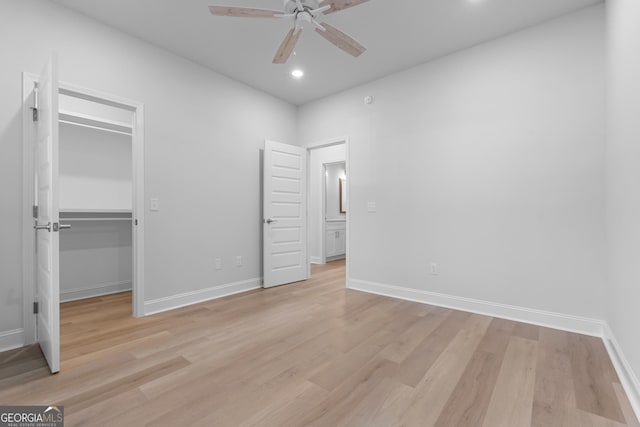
(218, 263)
(239, 261)
(154, 205)
(372, 207)
(434, 269)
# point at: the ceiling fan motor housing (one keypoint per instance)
(290, 6)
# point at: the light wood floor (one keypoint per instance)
(316, 354)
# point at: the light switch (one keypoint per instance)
(371, 207)
(218, 263)
(154, 205)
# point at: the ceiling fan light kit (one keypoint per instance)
(301, 13)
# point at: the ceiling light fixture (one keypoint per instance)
(297, 73)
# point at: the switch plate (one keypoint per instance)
(434, 269)
(239, 261)
(154, 205)
(218, 263)
(372, 207)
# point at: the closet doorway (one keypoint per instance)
(95, 199)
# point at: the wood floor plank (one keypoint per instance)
(415, 366)
(434, 390)
(512, 400)
(406, 342)
(625, 405)
(497, 337)
(315, 354)
(469, 401)
(115, 388)
(594, 376)
(527, 331)
(554, 395)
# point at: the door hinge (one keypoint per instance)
(36, 103)
(35, 211)
(36, 307)
(135, 222)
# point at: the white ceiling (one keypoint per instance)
(398, 34)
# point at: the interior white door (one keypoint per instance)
(285, 214)
(48, 221)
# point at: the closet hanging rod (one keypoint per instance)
(96, 211)
(95, 219)
(94, 127)
(74, 118)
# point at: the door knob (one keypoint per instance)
(269, 220)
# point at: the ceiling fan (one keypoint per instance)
(302, 12)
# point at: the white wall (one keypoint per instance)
(95, 174)
(335, 172)
(202, 160)
(623, 180)
(96, 258)
(95, 169)
(317, 158)
(493, 168)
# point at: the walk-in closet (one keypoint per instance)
(95, 181)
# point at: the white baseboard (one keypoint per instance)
(315, 260)
(202, 295)
(581, 325)
(627, 376)
(11, 339)
(67, 295)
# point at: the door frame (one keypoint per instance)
(314, 146)
(323, 240)
(28, 187)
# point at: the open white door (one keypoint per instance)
(285, 214)
(48, 221)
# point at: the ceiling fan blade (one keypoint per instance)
(287, 46)
(243, 12)
(341, 40)
(338, 5)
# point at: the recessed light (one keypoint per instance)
(297, 73)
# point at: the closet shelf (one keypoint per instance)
(95, 211)
(95, 219)
(87, 121)
(95, 215)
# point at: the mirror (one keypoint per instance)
(335, 191)
(342, 182)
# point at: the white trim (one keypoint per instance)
(98, 290)
(627, 376)
(566, 322)
(11, 339)
(28, 200)
(323, 212)
(138, 211)
(188, 298)
(315, 260)
(328, 143)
